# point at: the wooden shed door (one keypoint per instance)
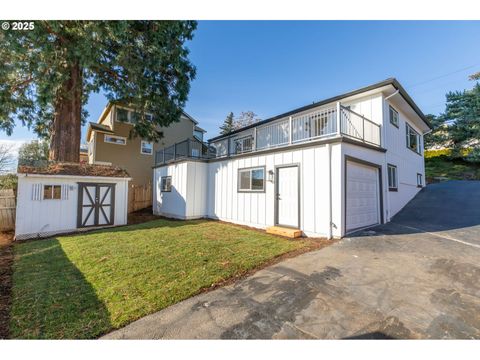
(96, 204)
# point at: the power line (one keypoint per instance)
(442, 76)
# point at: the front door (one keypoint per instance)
(288, 196)
(96, 204)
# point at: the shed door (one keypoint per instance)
(288, 196)
(96, 204)
(363, 196)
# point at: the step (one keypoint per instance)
(284, 231)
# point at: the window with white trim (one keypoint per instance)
(52, 192)
(146, 147)
(392, 178)
(393, 116)
(251, 180)
(413, 139)
(419, 180)
(113, 139)
(166, 184)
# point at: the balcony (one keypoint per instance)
(315, 125)
(187, 149)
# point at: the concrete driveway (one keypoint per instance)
(416, 277)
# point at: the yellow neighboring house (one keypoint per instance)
(109, 141)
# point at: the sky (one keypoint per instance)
(270, 67)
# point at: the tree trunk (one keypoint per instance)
(66, 129)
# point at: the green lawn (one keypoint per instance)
(443, 166)
(84, 285)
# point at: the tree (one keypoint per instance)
(245, 118)
(6, 158)
(32, 152)
(475, 76)
(228, 125)
(47, 74)
(463, 113)
(438, 137)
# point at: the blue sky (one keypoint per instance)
(271, 67)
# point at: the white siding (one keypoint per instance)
(47, 217)
(407, 161)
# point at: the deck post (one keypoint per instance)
(254, 138)
(175, 151)
(290, 130)
(338, 118)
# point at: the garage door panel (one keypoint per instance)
(363, 205)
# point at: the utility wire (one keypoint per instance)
(442, 76)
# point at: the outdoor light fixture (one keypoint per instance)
(270, 175)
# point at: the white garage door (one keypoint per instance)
(363, 200)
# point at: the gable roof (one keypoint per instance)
(390, 81)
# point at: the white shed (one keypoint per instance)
(61, 201)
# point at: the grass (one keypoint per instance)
(454, 169)
(83, 286)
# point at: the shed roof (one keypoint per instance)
(74, 169)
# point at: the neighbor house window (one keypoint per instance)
(122, 115)
(52, 192)
(146, 148)
(393, 116)
(112, 139)
(251, 179)
(392, 178)
(419, 180)
(166, 184)
(413, 139)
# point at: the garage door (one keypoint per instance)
(363, 200)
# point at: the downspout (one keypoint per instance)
(329, 149)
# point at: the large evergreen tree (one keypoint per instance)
(47, 74)
(228, 125)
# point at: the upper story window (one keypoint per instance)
(52, 192)
(146, 147)
(130, 116)
(413, 139)
(118, 140)
(198, 135)
(393, 114)
(243, 144)
(122, 114)
(392, 178)
(251, 180)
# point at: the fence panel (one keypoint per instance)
(139, 197)
(7, 210)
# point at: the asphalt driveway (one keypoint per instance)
(416, 277)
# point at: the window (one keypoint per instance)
(393, 116)
(52, 192)
(419, 180)
(392, 178)
(166, 184)
(413, 139)
(251, 180)
(146, 147)
(122, 114)
(118, 140)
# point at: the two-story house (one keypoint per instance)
(327, 169)
(110, 141)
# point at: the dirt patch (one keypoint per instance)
(6, 263)
(143, 215)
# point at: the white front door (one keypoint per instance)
(363, 196)
(288, 196)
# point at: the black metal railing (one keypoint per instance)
(188, 149)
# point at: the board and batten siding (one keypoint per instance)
(188, 196)
(257, 209)
(407, 161)
(37, 217)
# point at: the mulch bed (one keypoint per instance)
(6, 263)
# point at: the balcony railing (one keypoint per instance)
(323, 123)
(189, 148)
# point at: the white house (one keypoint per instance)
(68, 198)
(328, 169)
